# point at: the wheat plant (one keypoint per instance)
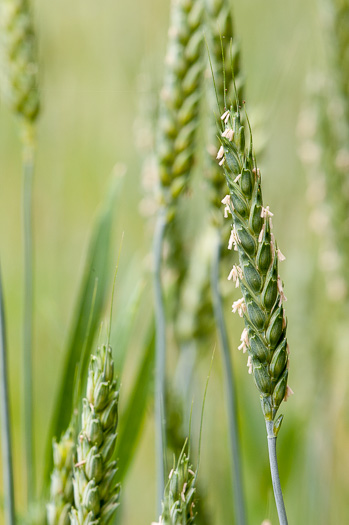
(264, 335)
(178, 506)
(20, 89)
(178, 123)
(179, 112)
(96, 493)
(61, 492)
(324, 136)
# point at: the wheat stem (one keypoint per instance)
(274, 469)
(6, 425)
(28, 173)
(230, 389)
(160, 358)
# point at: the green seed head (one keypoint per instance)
(265, 325)
(20, 75)
(178, 506)
(179, 115)
(61, 490)
(95, 491)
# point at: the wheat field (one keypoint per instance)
(101, 74)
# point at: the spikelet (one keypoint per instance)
(178, 507)
(96, 494)
(179, 113)
(20, 74)
(261, 306)
(62, 495)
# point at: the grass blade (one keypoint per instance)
(134, 413)
(97, 267)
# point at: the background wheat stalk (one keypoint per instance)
(324, 130)
(178, 123)
(20, 88)
(6, 423)
(264, 335)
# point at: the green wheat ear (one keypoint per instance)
(20, 77)
(61, 494)
(178, 506)
(96, 493)
(264, 336)
(179, 113)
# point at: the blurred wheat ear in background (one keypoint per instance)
(20, 89)
(178, 123)
(62, 494)
(178, 507)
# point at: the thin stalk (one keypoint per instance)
(6, 424)
(236, 474)
(274, 469)
(160, 360)
(28, 171)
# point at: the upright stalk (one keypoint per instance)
(28, 171)
(274, 469)
(5, 423)
(236, 474)
(160, 359)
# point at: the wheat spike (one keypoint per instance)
(178, 507)
(264, 336)
(62, 495)
(96, 494)
(20, 75)
(179, 113)
(324, 136)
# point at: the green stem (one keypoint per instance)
(160, 360)
(239, 499)
(6, 424)
(274, 469)
(28, 171)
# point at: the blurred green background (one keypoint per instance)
(92, 55)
